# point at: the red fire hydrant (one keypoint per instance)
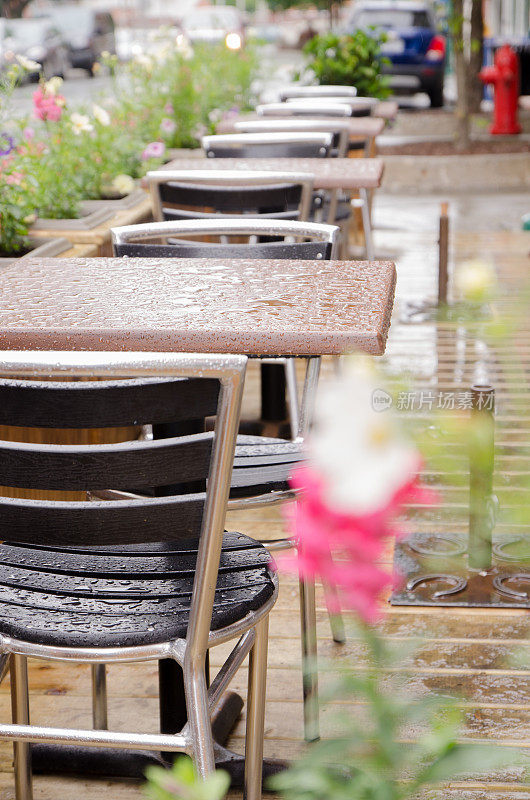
(504, 75)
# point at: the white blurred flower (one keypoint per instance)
(144, 61)
(52, 86)
(183, 47)
(101, 115)
(80, 123)
(475, 281)
(361, 452)
(28, 64)
(123, 184)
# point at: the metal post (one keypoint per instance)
(481, 459)
(20, 713)
(99, 697)
(443, 254)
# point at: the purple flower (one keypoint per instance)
(7, 144)
(153, 150)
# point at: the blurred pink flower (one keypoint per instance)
(168, 125)
(48, 106)
(168, 108)
(28, 133)
(358, 540)
(153, 150)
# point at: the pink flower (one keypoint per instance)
(153, 150)
(357, 539)
(28, 133)
(168, 108)
(48, 106)
(168, 125)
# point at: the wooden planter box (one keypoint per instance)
(42, 248)
(94, 228)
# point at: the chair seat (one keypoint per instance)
(122, 596)
(263, 464)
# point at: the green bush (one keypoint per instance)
(354, 60)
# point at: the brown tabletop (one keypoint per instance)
(328, 173)
(358, 127)
(254, 307)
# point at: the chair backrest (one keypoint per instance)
(185, 194)
(323, 90)
(339, 131)
(161, 387)
(268, 145)
(130, 240)
(294, 110)
(360, 106)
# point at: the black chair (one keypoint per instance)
(261, 465)
(268, 145)
(133, 579)
(185, 194)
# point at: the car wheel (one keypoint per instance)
(436, 96)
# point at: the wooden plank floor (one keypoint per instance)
(463, 652)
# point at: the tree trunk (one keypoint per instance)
(475, 87)
(461, 70)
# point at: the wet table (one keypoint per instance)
(358, 128)
(351, 174)
(259, 308)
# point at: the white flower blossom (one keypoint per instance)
(28, 64)
(123, 184)
(360, 451)
(475, 281)
(80, 123)
(101, 115)
(52, 86)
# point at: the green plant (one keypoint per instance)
(375, 753)
(183, 782)
(354, 60)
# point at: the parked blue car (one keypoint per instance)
(414, 46)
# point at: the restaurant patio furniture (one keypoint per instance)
(337, 109)
(134, 579)
(269, 145)
(321, 90)
(360, 106)
(359, 174)
(259, 308)
(339, 130)
(187, 193)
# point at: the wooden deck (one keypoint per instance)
(464, 652)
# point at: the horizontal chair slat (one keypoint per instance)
(101, 523)
(101, 404)
(82, 467)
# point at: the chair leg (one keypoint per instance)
(292, 393)
(4, 665)
(367, 224)
(309, 659)
(257, 680)
(99, 697)
(336, 622)
(20, 714)
(199, 722)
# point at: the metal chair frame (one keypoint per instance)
(323, 109)
(229, 178)
(323, 90)
(339, 129)
(355, 103)
(300, 424)
(323, 141)
(196, 736)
